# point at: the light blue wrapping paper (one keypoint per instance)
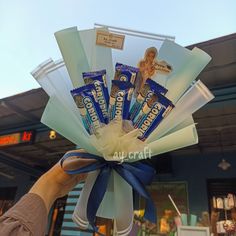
(181, 138)
(187, 65)
(81, 54)
(80, 211)
(196, 97)
(99, 57)
(50, 77)
(188, 121)
(56, 117)
(107, 209)
(115, 205)
(176, 56)
(73, 54)
(123, 198)
(39, 74)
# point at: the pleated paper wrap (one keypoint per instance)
(81, 54)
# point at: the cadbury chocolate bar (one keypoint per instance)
(152, 113)
(89, 108)
(120, 97)
(98, 78)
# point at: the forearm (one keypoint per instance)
(45, 189)
(27, 217)
(54, 184)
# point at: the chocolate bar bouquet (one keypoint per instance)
(120, 106)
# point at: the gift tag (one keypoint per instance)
(111, 40)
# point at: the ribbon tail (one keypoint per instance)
(97, 193)
(80, 213)
(106, 208)
(150, 211)
(142, 171)
(139, 188)
(123, 195)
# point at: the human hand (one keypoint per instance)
(57, 183)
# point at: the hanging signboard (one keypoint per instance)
(17, 138)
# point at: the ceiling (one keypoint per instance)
(23, 112)
(216, 121)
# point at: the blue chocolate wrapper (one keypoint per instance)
(120, 98)
(98, 78)
(93, 73)
(89, 108)
(126, 73)
(150, 87)
(152, 113)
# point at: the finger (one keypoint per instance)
(77, 150)
(72, 164)
(81, 177)
(78, 178)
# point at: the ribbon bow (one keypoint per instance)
(136, 174)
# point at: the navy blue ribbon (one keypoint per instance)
(136, 174)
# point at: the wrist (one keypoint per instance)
(46, 190)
